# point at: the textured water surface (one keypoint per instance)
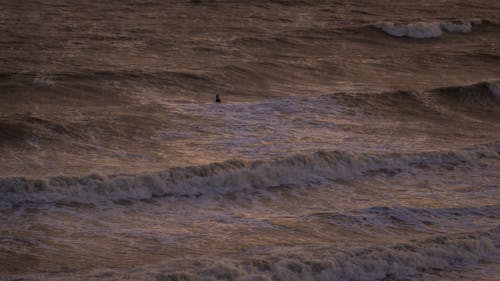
(354, 141)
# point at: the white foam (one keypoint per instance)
(426, 29)
(413, 30)
(233, 176)
(464, 27)
(494, 88)
(401, 261)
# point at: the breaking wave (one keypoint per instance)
(479, 95)
(235, 175)
(399, 261)
(384, 219)
(484, 95)
(426, 29)
(494, 89)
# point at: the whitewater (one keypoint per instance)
(354, 140)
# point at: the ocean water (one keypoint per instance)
(355, 140)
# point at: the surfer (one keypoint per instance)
(217, 99)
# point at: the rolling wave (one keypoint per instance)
(396, 261)
(483, 95)
(383, 219)
(235, 175)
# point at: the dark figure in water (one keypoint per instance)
(217, 99)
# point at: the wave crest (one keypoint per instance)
(396, 261)
(483, 95)
(234, 176)
(422, 30)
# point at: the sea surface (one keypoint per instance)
(355, 140)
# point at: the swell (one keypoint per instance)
(112, 87)
(251, 75)
(480, 101)
(483, 95)
(18, 129)
(49, 79)
(235, 175)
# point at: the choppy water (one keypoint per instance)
(354, 141)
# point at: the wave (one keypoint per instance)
(483, 95)
(234, 175)
(494, 89)
(21, 128)
(486, 56)
(50, 79)
(396, 261)
(385, 219)
(426, 29)
(446, 102)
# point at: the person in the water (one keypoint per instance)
(217, 99)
